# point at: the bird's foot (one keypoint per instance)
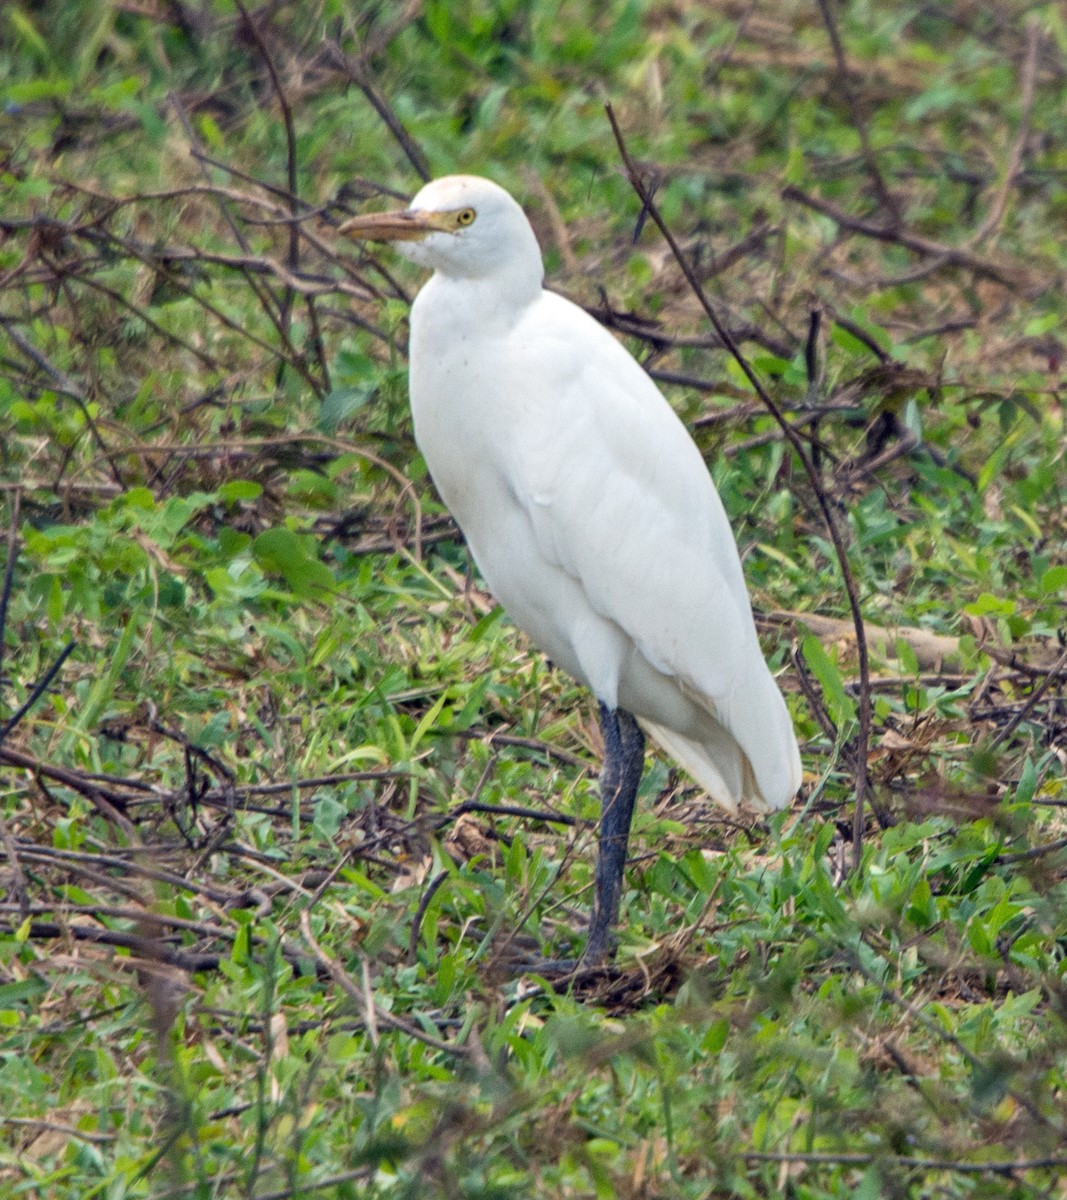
(559, 970)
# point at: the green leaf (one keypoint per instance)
(33, 40)
(277, 548)
(715, 1038)
(1037, 326)
(1027, 785)
(989, 605)
(342, 402)
(437, 16)
(20, 990)
(313, 487)
(139, 497)
(329, 816)
(55, 601)
(839, 704)
(309, 577)
(240, 489)
(210, 131)
(282, 551)
(870, 1187)
(242, 945)
(483, 625)
(1054, 580)
(104, 688)
(909, 662)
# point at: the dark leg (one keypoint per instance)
(624, 761)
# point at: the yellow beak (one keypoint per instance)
(404, 225)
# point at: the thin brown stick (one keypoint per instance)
(424, 903)
(1027, 86)
(38, 689)
(356, 71)
(811, 694)
(356, 1175)
(374, 1015)
(1033, 853)
(69, 1131)
(951, 256)
(140, 313)
(9, 569)
(75, 780)
(795, 441)
(885, 196)
(258, 289)
(510, 810)
(18, 876)
(149, 948)
(77, 860)
(494, 738)
(992, 1167)
(293, 260)
(1031, 701)
(68, 387)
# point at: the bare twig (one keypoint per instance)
(9, 571)
(952, 256)
(126, 865)
(811, 694)
(139, 313)
(1033, 853)
(1027, 83)
(823, 501)
(69, 1131)
(148, 948)
(38, 690)
(18, 876)
(495, 738)
(307, 1187)
(356, 70)
(364, 998)
(1031, 702)
(885, 196)
(511, 810)
(293, 260)
(68, 387)
(992, 1167)
(420, 912)
(290, 352)
(261, 293)
(131, 913)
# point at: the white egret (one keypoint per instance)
(589, 511)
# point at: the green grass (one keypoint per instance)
(273, 823)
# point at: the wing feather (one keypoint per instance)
(654, 553)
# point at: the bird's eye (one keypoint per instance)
(465, 216)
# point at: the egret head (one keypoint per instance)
(461, 225)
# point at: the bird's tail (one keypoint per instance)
(758, 718)
(720, 772)
(747, 755)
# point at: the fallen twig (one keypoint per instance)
(993, 1167)
(364, 998)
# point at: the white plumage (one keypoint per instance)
(585, 502)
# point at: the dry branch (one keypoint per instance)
(934, 651)
(826, 509)
(1007, 274)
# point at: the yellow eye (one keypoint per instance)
(465, 216)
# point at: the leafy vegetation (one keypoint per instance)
(280, 787)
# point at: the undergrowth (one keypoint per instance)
(281, 787)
